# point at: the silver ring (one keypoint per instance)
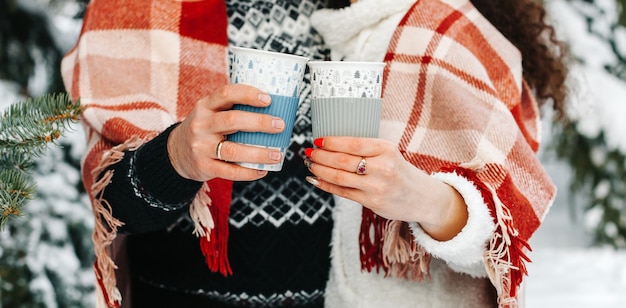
(218, 150)
(362, 167)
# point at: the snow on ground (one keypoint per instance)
(576, 277)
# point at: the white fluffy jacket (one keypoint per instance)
(361, 32)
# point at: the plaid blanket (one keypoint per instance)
(139, 67)
(454, 101)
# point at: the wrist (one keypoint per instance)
(451, 215)
(173, 152)
(156, 174)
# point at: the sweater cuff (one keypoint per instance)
(464, 252)
(158, 176)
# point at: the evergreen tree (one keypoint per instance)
(26, 128)
(46, 253)
(599, 169)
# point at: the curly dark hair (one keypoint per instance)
(523, 23)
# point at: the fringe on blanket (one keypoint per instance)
(105, 228)
(388, 246)
(210, 211)
(505, 257)
(213, 244)
(403, 257)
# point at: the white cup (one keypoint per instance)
(273, 72)
(346, 98)
(346, 79)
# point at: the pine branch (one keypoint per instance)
(26, 129)
(15, 189)
(30, 125)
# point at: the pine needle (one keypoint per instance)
(26, 129)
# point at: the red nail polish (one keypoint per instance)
(319, 142)
(308, 152)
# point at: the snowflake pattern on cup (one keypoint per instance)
(346, 79)
(276, 73)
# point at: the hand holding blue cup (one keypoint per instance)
(281, 76)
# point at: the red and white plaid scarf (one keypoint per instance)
(454, 100)
(139, 67)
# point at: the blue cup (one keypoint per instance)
(284, 107)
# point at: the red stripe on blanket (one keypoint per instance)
(211, 27)
(527, 221)
(207, 22)
(117, 19)
(105, 295)
(135, 105)
(117, 130)
(425, 62)
(447, 23)
(215, 248)
(525, 115)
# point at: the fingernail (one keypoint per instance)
(265, 98)
(308, 152)
(275, 156)
(278, 123)
(261, 172)
(319, 142)
(312, 180)
(308, 163)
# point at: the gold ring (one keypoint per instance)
(218, 150)
(362, 167)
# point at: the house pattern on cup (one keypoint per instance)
(346, 82)
(276, 75)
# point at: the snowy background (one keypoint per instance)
(567, 271)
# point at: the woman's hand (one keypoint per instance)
(390, 186)
(193, 145)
